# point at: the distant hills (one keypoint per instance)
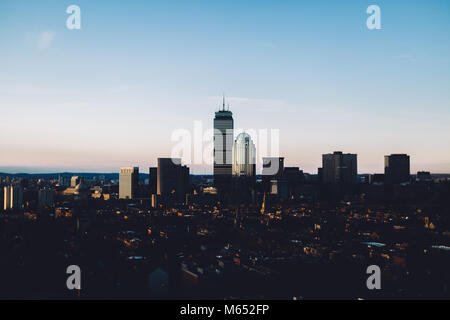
(88, 175)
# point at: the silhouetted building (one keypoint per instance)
(244, 168)
(376, 178)
(45, 198)
(153, 180)
(7, 198)
(396, 169)
(294, 177)
(173, 179)
(128, 182)
(320, 174)
(223, 148)
(423, 176)
(339, 168)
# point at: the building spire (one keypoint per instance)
(223, 102)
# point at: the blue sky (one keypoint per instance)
(111, 94)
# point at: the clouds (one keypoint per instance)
(44, 40)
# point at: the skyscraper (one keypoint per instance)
(64, 180)
(244, 156)
(339, 168)
(172, 179)
(223, 148)
(244, 169)
(396, 168)
(128, 182)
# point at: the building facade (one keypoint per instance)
(153, 180)
(12, 198)
(172, 179)
(128, 182)
(244, 156)
(397, 168)
(45, 198)
(74, 181)
(339, 168)
(223, 148)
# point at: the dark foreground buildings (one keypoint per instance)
(396, 169)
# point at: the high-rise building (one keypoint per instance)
(16, 197)
(63, 180)
(128, 182)
(153, 180)
(424, 176)
(223, 148)
(396, 168)
(13, 198)
(74, 181)
(45, 198)
(376, 178)
(339, 168)
(6, 198)
(172, 179)
(244, 156)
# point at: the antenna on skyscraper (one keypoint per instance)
(223, 102)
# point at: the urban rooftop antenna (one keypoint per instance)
(223, 102)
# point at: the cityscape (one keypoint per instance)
(282, 234)
(225, 158)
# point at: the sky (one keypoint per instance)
(112, 93)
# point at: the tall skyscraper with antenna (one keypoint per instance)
(223, 148)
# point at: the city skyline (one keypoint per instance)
(144, 168)
(328, 84)
(229, 158)
(225, 153)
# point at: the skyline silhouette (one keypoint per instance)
(110, 94)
